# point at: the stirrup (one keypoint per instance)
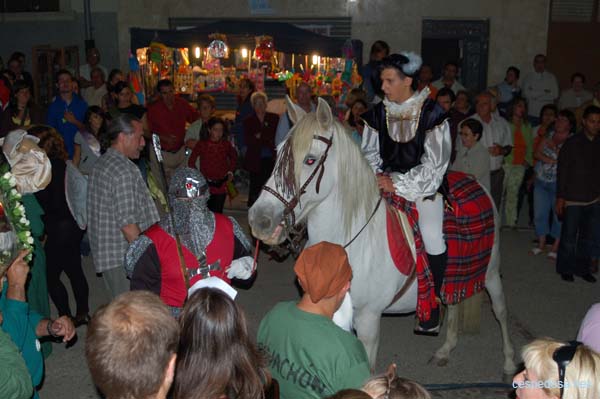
(430, 332)
(435, 330)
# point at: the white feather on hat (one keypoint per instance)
(414, 63)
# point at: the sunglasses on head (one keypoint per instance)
(563, 356)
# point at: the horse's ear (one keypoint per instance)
(324, 115)
(294, 111)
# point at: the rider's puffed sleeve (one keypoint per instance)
(370, 147)
(423, 180)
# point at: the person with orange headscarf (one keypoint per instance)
(310, 356)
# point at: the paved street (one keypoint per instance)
(539, 304)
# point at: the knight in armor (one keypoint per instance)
(211, 245)
(407, 142)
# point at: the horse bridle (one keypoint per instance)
(291, 204)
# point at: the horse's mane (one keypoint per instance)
(357, 188)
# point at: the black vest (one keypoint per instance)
(402, 157)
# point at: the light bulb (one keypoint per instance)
(197, 52)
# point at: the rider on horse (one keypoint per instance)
(407, 142)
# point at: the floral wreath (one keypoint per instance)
(12, 208)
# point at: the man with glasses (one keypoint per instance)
(167, 117)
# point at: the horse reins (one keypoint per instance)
(366, 224)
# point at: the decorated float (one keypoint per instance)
(214, 57)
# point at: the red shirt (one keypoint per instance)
(216, 159)
(171, 122)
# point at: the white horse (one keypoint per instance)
(336, 194)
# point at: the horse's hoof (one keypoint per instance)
(507, 378)
(510, 370)
(440, 362)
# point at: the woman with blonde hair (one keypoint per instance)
(390, 386)
(558, 370)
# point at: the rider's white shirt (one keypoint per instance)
(423, 180)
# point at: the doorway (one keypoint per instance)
(463, 42)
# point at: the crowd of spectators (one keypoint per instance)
(520, 139)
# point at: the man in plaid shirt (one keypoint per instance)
(119, 204)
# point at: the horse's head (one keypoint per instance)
(318, 161)
(305, 173)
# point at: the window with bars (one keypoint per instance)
(574, 10)
(29, 5)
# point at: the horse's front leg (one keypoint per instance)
(442, 355)
(367, 324)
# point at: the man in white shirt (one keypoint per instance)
(539, 88)
(93, 95)
(92, 56)
(448, 78)
(497, 138)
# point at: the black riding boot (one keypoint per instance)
(437, 265)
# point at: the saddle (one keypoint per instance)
(400, 238)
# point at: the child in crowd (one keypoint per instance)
(473, 158)
(88, 142)
(353, 96)
(355, 122)
(217, 162)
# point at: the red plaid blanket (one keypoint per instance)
(469, 231)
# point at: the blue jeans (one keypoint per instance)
(578, 239)
(544, 196)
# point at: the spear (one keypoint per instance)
(159, 157)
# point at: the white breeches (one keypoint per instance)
(431, 220)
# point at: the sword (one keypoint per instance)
(159, 157)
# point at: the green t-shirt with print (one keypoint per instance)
(309, 356)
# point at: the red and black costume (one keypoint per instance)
(212, 245)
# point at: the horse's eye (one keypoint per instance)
(310, 161)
